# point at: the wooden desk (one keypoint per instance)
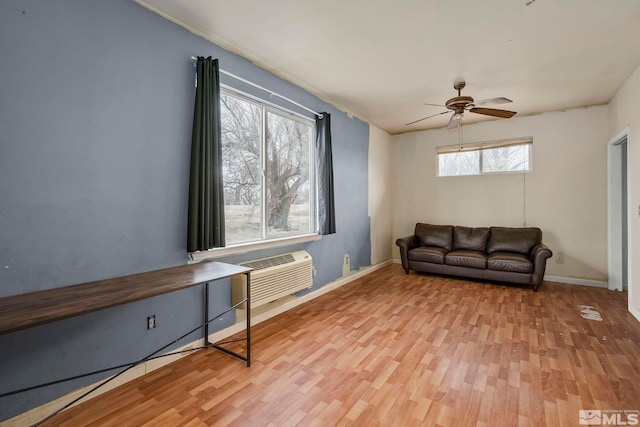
(38, 308)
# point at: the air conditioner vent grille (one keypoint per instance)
(273, 278)
(261, 264)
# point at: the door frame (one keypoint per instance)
(614, 209)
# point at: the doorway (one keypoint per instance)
(618, 212)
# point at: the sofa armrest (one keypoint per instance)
(539, 255)
(406, 244)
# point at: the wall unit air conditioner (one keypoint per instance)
(274, 277)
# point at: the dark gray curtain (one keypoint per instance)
(324, 168)
(205, 228)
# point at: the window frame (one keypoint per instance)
(267, 239)
(483, 146)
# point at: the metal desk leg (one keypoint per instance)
(206, 313)
(247, 338)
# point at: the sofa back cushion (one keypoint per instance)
(470, 239)
(440, 236)
(520, 240)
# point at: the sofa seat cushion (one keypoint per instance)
(509, 261)
(430, 254)
(472, 259)
(440, 236)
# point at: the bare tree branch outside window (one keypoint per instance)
(506, 159)
(460, 163)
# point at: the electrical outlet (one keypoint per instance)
(560, 258)
(151, 322)
(346, 265)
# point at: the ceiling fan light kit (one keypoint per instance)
(458, 104)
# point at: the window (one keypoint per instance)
(268, 173)
(511, 155)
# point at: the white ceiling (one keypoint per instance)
(381, 60)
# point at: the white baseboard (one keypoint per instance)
(34, 415)
(576, 281)
(396, 261)
(634, 312)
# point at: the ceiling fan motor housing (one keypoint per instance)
(459, 103)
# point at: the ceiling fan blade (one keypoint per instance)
(493, 101)
(435, 105)
(493, 112)
(454, 121)
(425, 118)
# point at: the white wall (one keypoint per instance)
(626, 113)
(565, 194)
(380, 184)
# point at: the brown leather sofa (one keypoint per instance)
(502, 254)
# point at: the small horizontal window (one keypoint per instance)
(510, 155)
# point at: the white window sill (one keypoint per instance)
(248, 247)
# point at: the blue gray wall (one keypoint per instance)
(96, 102)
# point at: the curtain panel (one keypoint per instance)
(205, 226)
(324, 168)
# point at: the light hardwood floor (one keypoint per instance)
(392, 349)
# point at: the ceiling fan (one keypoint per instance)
(458, 104)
